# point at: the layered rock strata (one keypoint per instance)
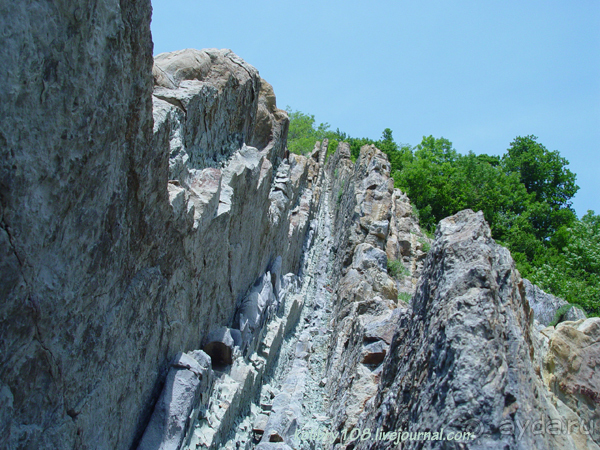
(126, 243)
(466, 357)
(546, 306)
(569, 357)
(169, 275)
(379, 255)
(269, 395)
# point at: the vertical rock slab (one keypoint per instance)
(464, 360)
(374, 231)
(123, 241)
(76, 175)
(186, 392)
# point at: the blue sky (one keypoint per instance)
(478, 73)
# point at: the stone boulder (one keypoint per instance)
(570, 370)
(545, 306)
(186, 392)
(220, 345)
(258, 305)
(366, 256)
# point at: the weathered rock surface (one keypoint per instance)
(149, 209)
(463, 359)
(545, 306)
(374, 225)
(187, 389)
(212, 102)
(81, 194)
(124, 244)
(570, 370)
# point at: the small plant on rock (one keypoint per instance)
(560, 314)
(340, 194)
(404, 297)
(426, 246)
(396, 269)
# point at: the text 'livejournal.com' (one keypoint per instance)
(473, 430)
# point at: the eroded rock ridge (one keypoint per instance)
(173, 278)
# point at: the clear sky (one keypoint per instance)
(478, 73)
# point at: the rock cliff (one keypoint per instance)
(464, 357)
(374, 227)
(124, 243)
(171, 277)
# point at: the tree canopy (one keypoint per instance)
(544, 173)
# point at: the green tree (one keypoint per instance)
(302, 133)
(387, 143)
(485, 187)
(441, 182)
(544, 173)
(570, 269)
(398, 155)
(432, 180)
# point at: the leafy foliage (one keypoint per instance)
(441, 182)
(544, 173)
(426, 246)
(404, 297)
(304, 133)
(570, 268)
(331, 147)
(560, 314)
(396, 269)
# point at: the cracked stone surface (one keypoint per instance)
(120, 223)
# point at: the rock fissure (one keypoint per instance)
(13, 249)
(241, 66)
(175, 102)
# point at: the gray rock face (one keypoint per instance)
(218, 102)
(186, 391)
(463, 360)
(546, 305)
(80, 186)
(124, 244)
(145, 204)
(257, 307)
(373, 226)
(570, 357)
(366, 257)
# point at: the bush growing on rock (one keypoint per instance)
(396, 269)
